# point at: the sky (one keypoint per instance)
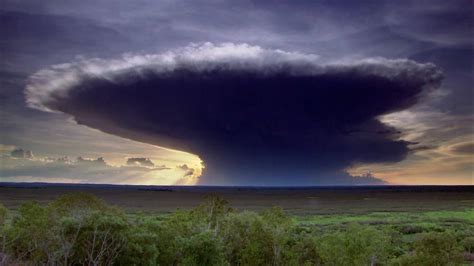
(262, 93)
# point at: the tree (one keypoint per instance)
(302, 249)
(212, 212)
(174, 232)
(143, 241)
(434, 249)
(102, 238)
(179, 233)
(252, 239)
(34, 236)
(468, 244)
(357, 245)
(203, 249)
(74, 229)
(72, 203)
(278, 224)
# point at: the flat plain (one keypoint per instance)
(293, 200)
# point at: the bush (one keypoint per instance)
(357, 245)
(468, 244)
(33, 236)
(437, 249)
(253, 239)
(302, 249)
(142, 244)
(212, 212)
(101, 239)
(203, 248)
(433, 249)
(246, 240)
(410, 229)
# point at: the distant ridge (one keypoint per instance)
(72, 186)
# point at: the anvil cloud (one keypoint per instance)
(253, 115)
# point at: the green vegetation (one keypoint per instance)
(78, 229)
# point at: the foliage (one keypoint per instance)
(74, 229)
(3, 215)
(468, 244)
(203, 249)
(143, 244)
(302, 249)
(357, 246)
(78, 229)
(434, 249)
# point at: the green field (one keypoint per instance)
(432, 220)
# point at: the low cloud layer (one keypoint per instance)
(254, 116)
(145, 162)
(464, 148)
(20, 153)
(187, 170)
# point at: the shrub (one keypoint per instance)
(203, 249)
(245, 240)
(437, 249)
(357, 245)
(433, 249)
(142, 246)
(410, 229)
(302, 249)
(68, 204)
(32, 235)
(468, 244)
(212, 212)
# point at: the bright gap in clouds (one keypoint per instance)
(123, 162)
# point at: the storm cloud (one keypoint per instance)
(254, 116)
